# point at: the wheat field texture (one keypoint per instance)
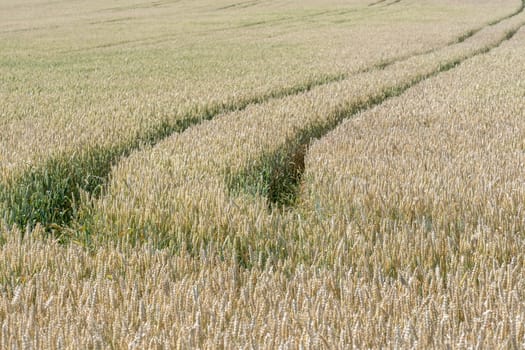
(262, 174)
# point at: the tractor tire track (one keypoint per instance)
(47, 194)
(279, 174)
(200, 195)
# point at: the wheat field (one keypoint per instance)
(262, 174)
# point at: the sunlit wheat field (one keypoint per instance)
(237, 174)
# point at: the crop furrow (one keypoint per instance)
(376, 3)
(393, 2)
(157, 39)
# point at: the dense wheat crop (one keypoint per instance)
(85, 84)
(262, 174)
(56, 296)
